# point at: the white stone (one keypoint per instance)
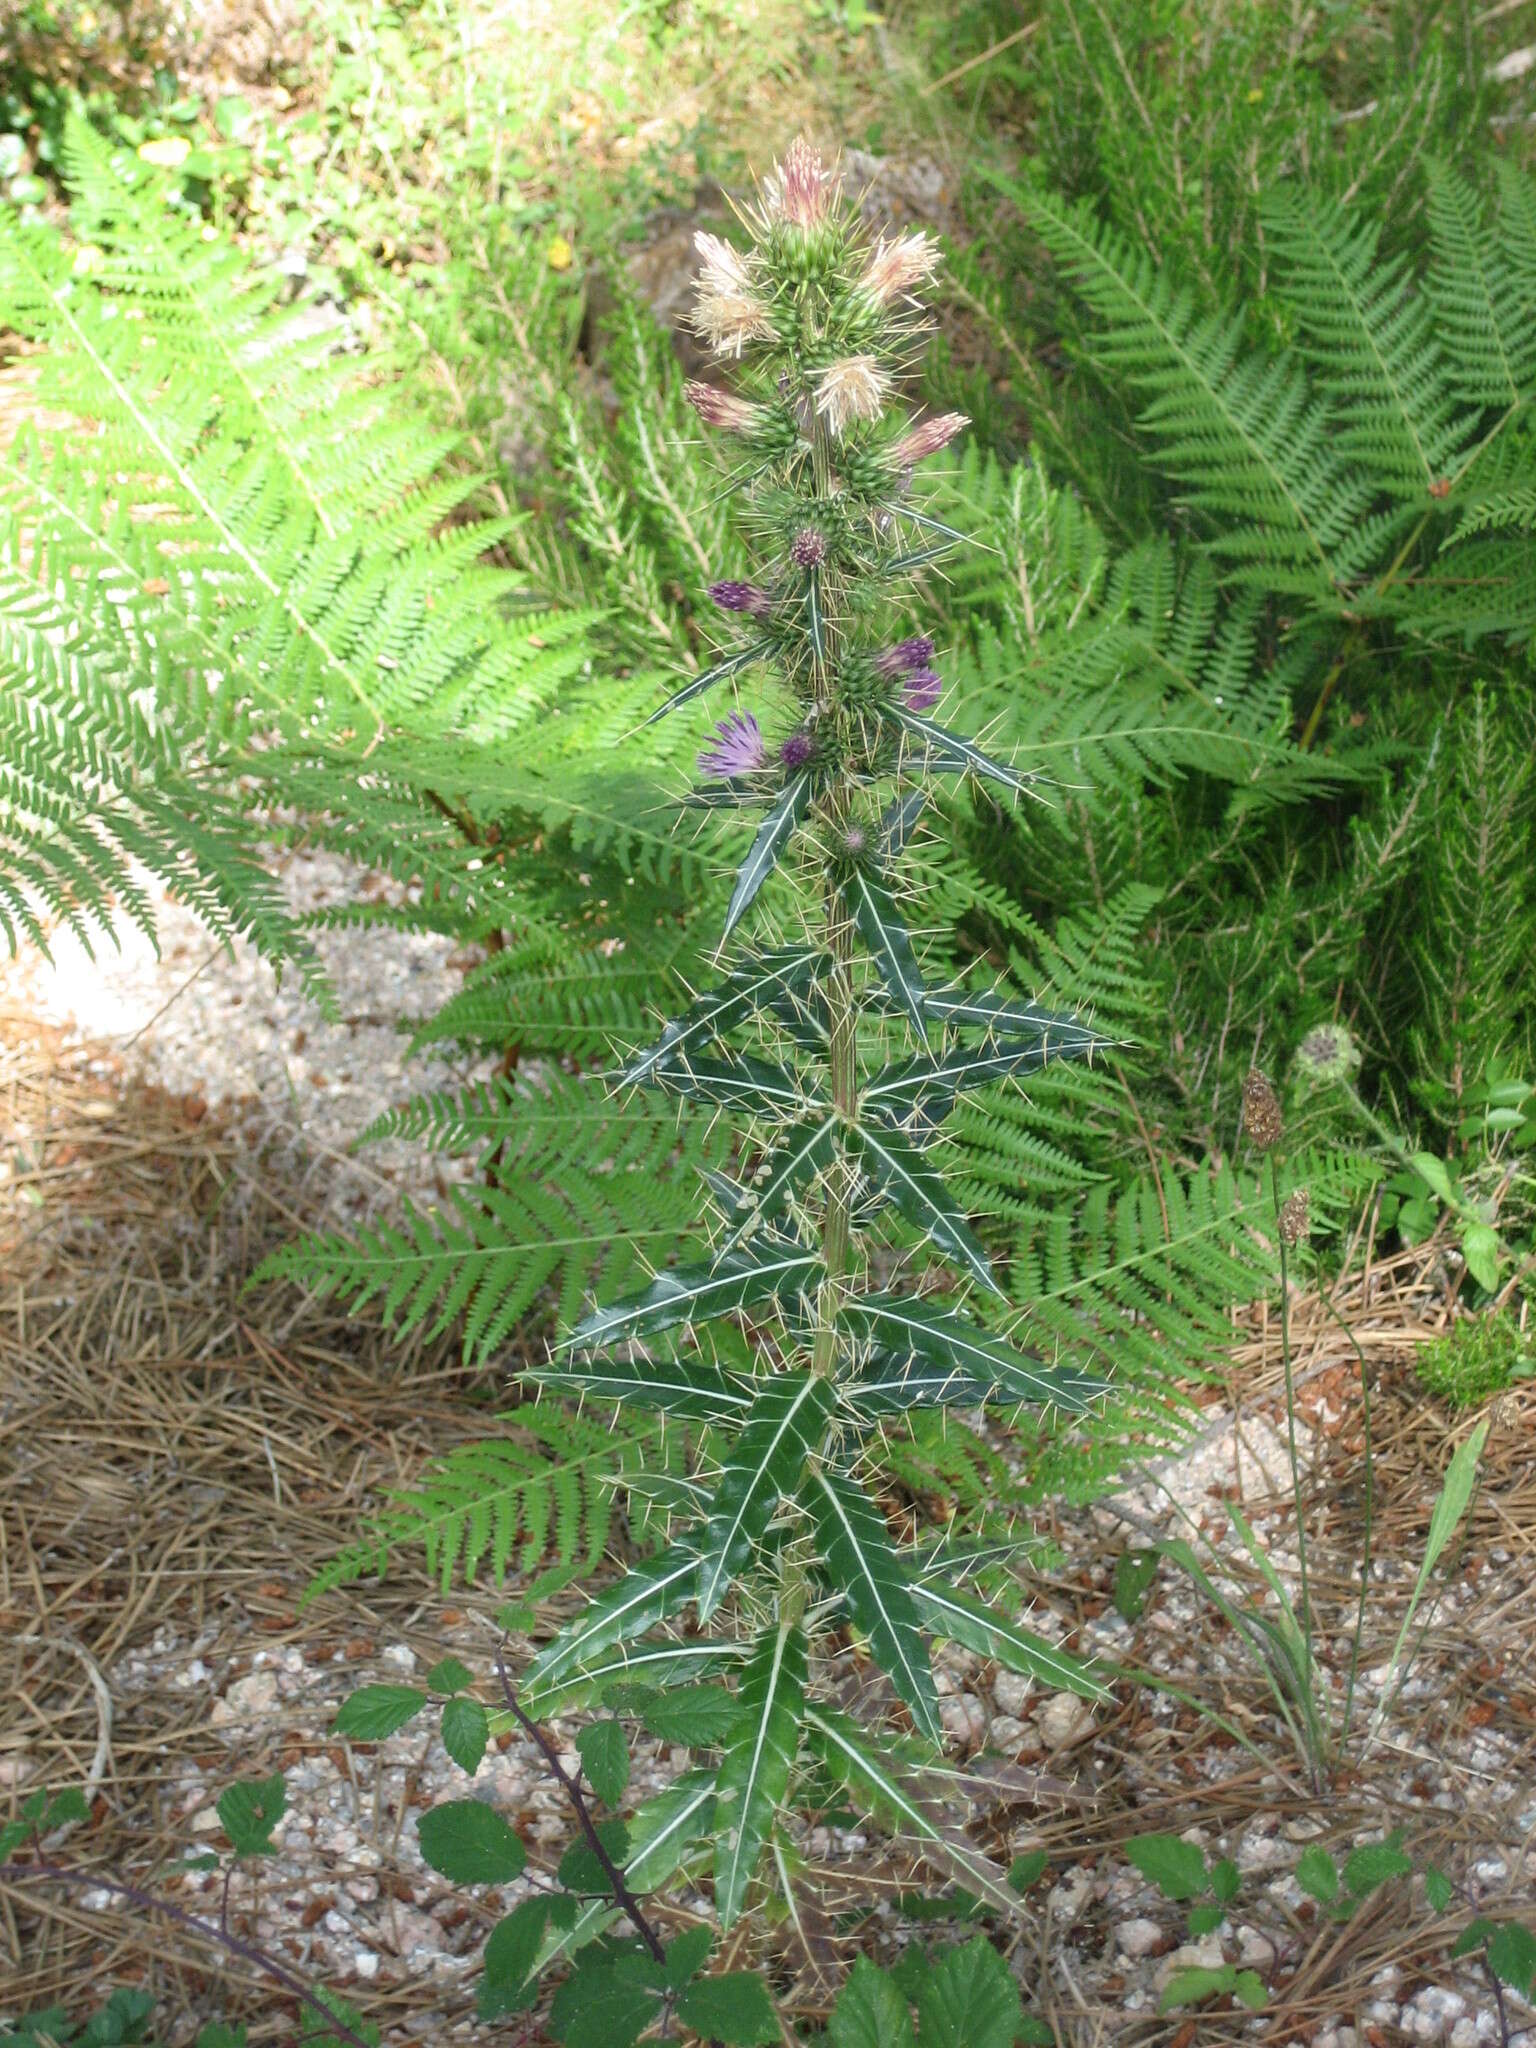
(404, 1659)
(1205, 1954)
(1007, 1734)
(1139, 1937)
(1062, 1719)
(367, 1964)
(964, 1718)
(1012, 1692)
(254, 1694)
(1255, 1949)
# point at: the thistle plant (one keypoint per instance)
(822, 1316)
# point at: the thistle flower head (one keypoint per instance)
(737, 748)
(717, 408)
(895, 269)
(1262, 1119)
(807, 549)
(922, 689)
(926, 439)
(905, 656)
(801, 190)
(728, 312)
(741, 597)
(797, 750)
(855, 841)
(1327, 1054)
(853, 388)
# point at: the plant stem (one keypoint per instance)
(623, 1897)
(1290, 1426)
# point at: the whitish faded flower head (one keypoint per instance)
(926, 439)
(1327, 1054)
(896, 269)
(728, 313)
(717, 408)
(737, 748)
(800, 189)
(853, 388)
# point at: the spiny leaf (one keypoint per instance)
(906, 1324)
(918, 1190)
(785, 1428)
(697, 685)
(860, 1562)
(967, 1621)
(772, 834)
(646, 1594)
(874, 912)
(754, 1774)
(949, 751)
(680, 1386)
(761, 1272)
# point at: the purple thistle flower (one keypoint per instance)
(797, 750)
(740, 597)
(905, 656)
(922, 689)
(855, 839)
(807, 548)
(738, 747)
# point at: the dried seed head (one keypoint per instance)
(1295, 1218)
(728, 313)
(853, 388)
(807, 549)
(897, 268)
(1328, 1053)
(926, 439)
(717, 408)
(1262, 1120)
(800, 189)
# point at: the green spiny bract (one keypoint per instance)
(842, 1059)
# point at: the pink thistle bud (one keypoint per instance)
(905, 656)
(717, 408)
(800, 190)
(797, 750)
(855, 840)
(737, 748)
(922, 690)
(853, 388)
(895, 269)
(926, 439)
(807, 549)
(741, 597)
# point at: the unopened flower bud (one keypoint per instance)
(905, 656)
(797, 750)
(717, 408)
(1262, 1120)
(741, 597)
(926, 439)
(1295, 1219)
(800, 189)
(855, 841)
(807, 549)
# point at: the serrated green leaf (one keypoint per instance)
(687, 1954)
(466, 1731)
(772, 836)
(1205, 1920)
(1376, 1864)
(1025, 1871)
(1438, 1889)
(906, 1325)
(647, 1593)
(754, 1772)
(1134, 1572)
(785, 1427)
(873, 909)
(963, 1620)
(1512, 1957)
(970, 2000)
(770, 1271)
(508, 1960)
(374, 1712)
(469, 1843)
(735, 2009)
(1226, 1880)
(449, 1675)
(597, 2007)
(919, 1192)
(1193, 1986)
(699, 1716)
(870, 2012)
(860, 1562)
(249, 1811)
(581, 1868)
(605, 1758)
(1175, 1866)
